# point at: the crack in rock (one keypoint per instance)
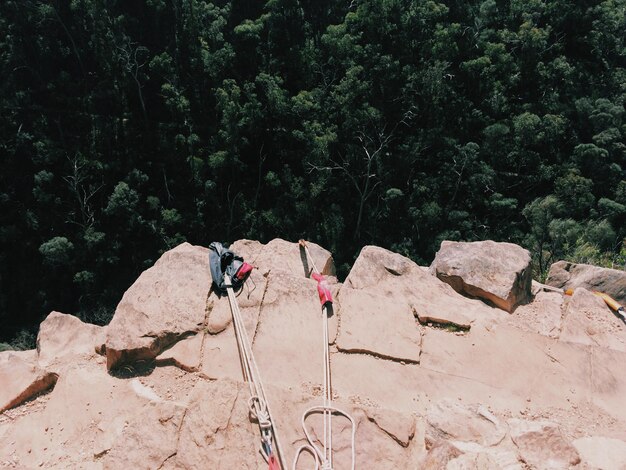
(384, 357)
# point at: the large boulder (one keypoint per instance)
(65, 336)
(497, 272)
(400, 280)
(21, 378)
(566, 275)
(166, 302)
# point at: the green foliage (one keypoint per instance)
(24, 340)
(57, 251)
(129, 127)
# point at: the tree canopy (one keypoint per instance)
(129, 127)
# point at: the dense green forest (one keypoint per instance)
(127, 127)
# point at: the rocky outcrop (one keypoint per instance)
(566, 275)
(402, 281)
(431, 378)
(65, 336)
(281, 255)
(497, 272)
(21, 378)
(167, 302)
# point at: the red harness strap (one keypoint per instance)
(273, 463)
(322, 289)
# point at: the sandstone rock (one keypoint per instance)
(439, 455)
(566, 275)
(21, 378)
(455, 422)
(166, 302)
(85, 414)
(589, 321)
(185, 354)
(285, 329)
(281, 255)
(602, 452)
(371, 323)
(542, 315)
(445, 411)
(497, 272)
(288, 342)
(148, 442)
(476, 457)
(526, 365)
(473, 461)
(216, 432)
(401, 427)
(542, 445)
(400, 279)
(64, 337)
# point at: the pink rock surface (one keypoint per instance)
(21, 378)
(165, 303)
(62, 335)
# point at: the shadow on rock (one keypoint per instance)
(141, 368)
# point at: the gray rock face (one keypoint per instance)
(166, 302)
(497, 272)
(566, 275)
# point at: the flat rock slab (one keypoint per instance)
(21, 378)
(65, 338)
(166, 302)
(288, 342)
(450, 420)
(533, 370)
(497, 272)
(602, 452)
(566, 275)
(542, 445)
(378, 325)
(588, 320)
(86, 413)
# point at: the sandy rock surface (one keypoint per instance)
(430, 378)
(21, 377)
